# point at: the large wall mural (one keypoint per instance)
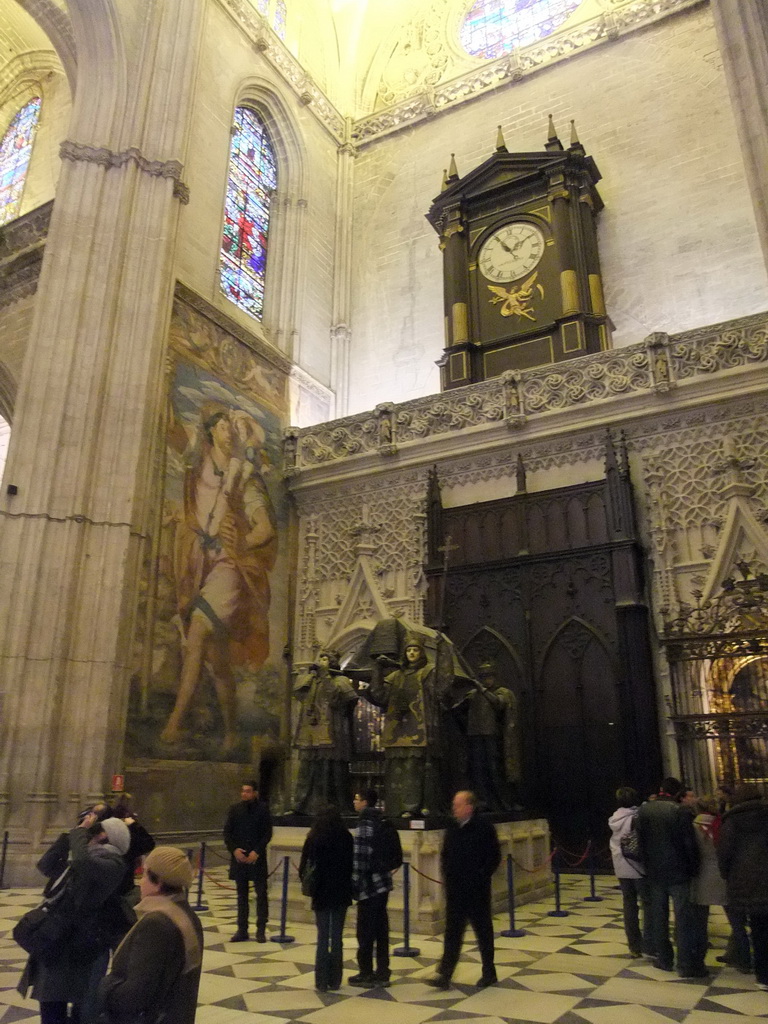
(213, 616)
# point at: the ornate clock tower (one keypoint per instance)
(521, 273)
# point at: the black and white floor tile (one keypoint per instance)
(570, 970)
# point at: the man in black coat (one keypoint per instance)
(742, 852)
(247, 831)
(469, 857)
(671, 859)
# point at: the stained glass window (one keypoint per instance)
(252, 180)
(262, 6)
(495, 27)
(279, 22)
(15, 151)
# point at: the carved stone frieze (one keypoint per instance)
(587, 379)
(424, 73)
(327, 442)
(450, 411)
(267, 42)
(22, 243)
(25, 232)
(721, 347)
(635, 372)
(76, 151)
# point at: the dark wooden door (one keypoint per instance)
(547, 587)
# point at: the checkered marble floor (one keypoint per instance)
(570, 970)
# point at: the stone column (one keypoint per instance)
(86, 413)
(742, 30)
(341, 333)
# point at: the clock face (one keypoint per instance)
(511, 251)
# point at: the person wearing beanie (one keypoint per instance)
(156, 969)
(98, 920)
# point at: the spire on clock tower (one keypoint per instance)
(553, 142)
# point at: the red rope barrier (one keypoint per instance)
(437, 881)
(536, 867)
(581, 859)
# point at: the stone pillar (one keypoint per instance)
(742, 30)
(342, 276)
(86, 414)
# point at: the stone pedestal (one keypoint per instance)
(527, 841)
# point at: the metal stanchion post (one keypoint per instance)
(511, 932)
(592, 898)
(406, 949)
(557, 912)
(3, 855)
(199, 906)
(282, 937)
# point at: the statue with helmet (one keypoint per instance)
(491, 725)
(323, 736)
(411, 699)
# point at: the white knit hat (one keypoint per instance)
(117, 834)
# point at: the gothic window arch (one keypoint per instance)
(251, 183)
(15, 152)
(491, 28)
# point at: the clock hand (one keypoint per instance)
(506, 248)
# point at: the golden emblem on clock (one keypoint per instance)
(516, 301)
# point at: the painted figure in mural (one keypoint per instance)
(493, 740)
(324, 736)
(224, 549)
(411, 733)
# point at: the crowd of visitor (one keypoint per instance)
(675, 847)
(695, 852)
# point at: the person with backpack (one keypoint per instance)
(377, 853)
(631, 875)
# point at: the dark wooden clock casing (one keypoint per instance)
(521, 272)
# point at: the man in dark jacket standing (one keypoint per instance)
(247, 831)
(469, 857)
(371, 889)
(671, 858)
(742, 852)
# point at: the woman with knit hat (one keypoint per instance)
(156, 968)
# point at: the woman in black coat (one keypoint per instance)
(327, 859)
(742, 852)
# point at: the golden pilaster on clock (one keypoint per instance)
(501, 146)
(460, 323)
(596, 294)
(453, 173)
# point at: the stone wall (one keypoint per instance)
(678, 241)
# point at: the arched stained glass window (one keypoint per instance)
(15, 151)
(275, 12)
(279, 19)
(492, 28)
(252, 180)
